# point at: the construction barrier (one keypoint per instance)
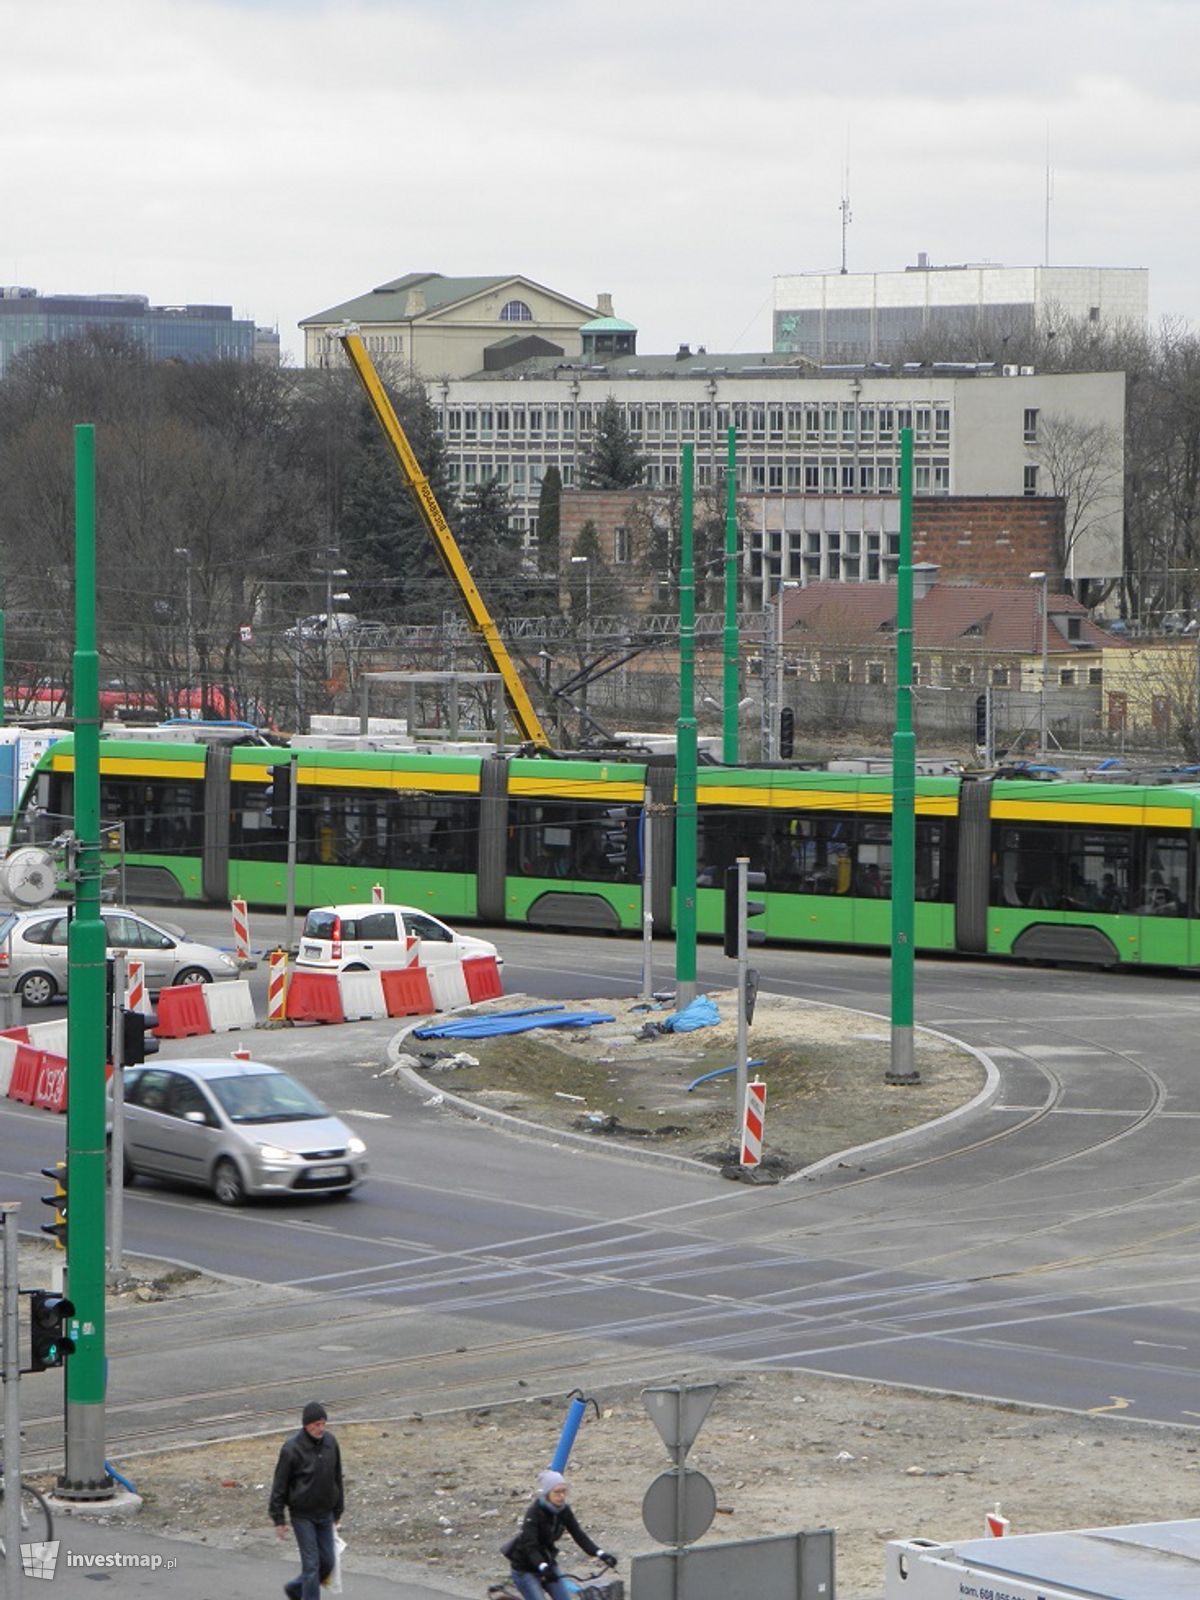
(50, 1036)
(8, 1054)
(314, 997)
(16, 1033)
(182, 1013)
(137, 997)
(229, 1006)
(482, 975)
(406, 991)
(50, 1085)
(241, 930)
(376, 894)
(752, 1123)
(277, 986)
(27, 1062)
(242, 1055)
(362, 996)
(448, 986)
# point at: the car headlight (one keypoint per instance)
(229, 962)
(355, 1145)
(272, 1152)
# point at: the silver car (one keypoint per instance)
(239, 1128)
(33, 952)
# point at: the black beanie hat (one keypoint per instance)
(314, 1411)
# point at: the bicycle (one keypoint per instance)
(587, 1587)
(37, 1524)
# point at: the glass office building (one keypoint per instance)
(166, 333)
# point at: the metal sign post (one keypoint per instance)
(12, 1403)
(647, 899)
(679, 1506)
(116, 1164)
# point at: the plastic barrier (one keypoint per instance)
(8, 1054)
(229, 1005)
(16, 1033)
(448, 986)
(314, 997)
(406, 991)
(26, 1064)
(362, 996)
(51, 1036)
(182, 1013)
(483, 978)
(50, 1086)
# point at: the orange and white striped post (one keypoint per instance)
(136, 998)
(241, 1055)
(376, 894)
(752, 1123)
(277, 987)
(241, 931)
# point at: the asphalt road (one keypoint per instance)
(1042, 1249)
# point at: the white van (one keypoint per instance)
(346, 938)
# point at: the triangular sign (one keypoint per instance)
(678, 1412)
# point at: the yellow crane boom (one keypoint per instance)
(419, 487)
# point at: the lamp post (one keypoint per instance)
(586, 563)
(182, 550)
(1044, 579)
(330, 574)
(773, 681)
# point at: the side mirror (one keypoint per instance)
(200, 1118)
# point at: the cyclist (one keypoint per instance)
(532, 1552)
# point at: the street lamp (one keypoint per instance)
(330, 574)
(1043, 579)
(773, 674)
(182, 550)
(586, 563)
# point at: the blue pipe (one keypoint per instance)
(566, 1439)
(113, 1473)
(719, 1072)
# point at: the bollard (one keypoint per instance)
(136, 998)
(277, 989)
(752, 1123)
(376, 894)
(241, 931)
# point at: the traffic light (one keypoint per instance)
(734, 911)
(981, 720)
(48, 1341)
(58, 1200)
(787, 733)
(280, 794)
(137, 1041)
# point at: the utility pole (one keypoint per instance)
(729, 690)
(685, 750)
(904, 793)
(85, 1477)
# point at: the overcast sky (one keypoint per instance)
(284, 155)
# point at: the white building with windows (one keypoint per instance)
(828, 438)
(877, 316)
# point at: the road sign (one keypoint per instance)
(246, 633)
(675, 1515)
(678, 1412)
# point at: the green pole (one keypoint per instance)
(3, 669)
(685, 753)
(87, 997)
(904, 793)
(729, 692)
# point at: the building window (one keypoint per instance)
(941, 424)
(1095, 675)
(847, 479)
(1066, 677)
(866, 476)
(1031, 424)
(812, 424)
(876, 672)
(516, 311)
(962, 674)
(924, 424)
(795, 477)
(1031, 479)
(921, 479)
(941, 480)
(775, 478)
(621, 546)
(887, 477)
(812, 477)
(1000, 677)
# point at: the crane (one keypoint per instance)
(478, 615)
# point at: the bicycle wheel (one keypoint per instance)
(37, 1525)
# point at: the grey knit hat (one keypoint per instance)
(551, 1480)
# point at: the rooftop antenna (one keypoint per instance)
(1049, 197)
(844, 208)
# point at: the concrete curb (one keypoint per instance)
(592, 1142)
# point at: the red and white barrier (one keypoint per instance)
(49, 1036)
(229, 1006)
(8, 1054)
(242, 1055)
(448, 986)
(277, 986)
(752, 1123)
(994, 1525)
(362, 996)
(136, 995)
(241, 930)
(376, 894)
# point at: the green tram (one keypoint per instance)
(1097, 872)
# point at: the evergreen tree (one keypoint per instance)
(549, 520)
(612, 460)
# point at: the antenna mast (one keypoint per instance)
(1049, 197)
(844, 208)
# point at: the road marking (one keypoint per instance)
(1152, 1344)
(371, 1116)
(1118, 1404)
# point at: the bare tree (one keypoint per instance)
(1083, 465)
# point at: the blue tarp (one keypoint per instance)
(702, 1013)
(499, 1022)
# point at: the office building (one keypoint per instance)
(166, 333)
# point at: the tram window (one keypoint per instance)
(1099, 862)
(725, 833)
(162, 817)
(933, 878)
(1164, 882)
(573, 840)
(1030, 866)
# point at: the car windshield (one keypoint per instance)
(265, 1097)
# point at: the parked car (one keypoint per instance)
(356, 937)
(338, 623)
(239, 1128)
(33, 952)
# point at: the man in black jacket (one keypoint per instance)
(308, 1485)
(532, 1552)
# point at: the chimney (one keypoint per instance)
(415, 304)
(604, 305)
(924, 575)
(683, 353)
(922, 261)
